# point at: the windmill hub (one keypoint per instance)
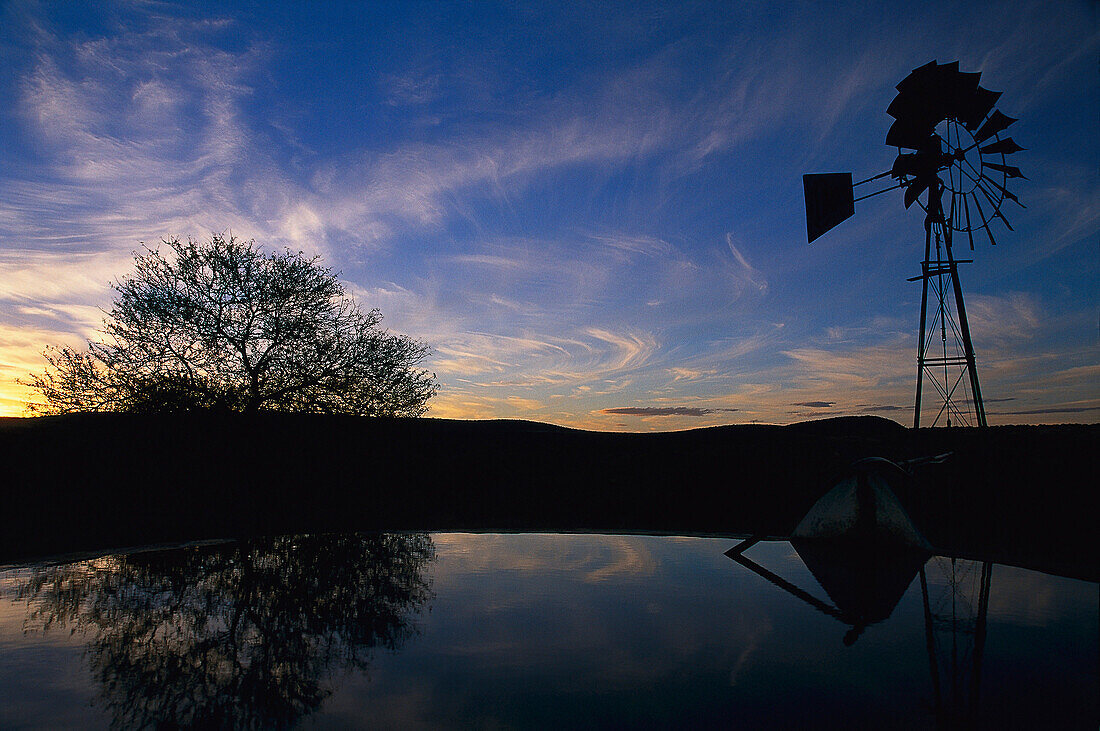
(961, 163)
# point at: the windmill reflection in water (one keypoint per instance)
(863, 549)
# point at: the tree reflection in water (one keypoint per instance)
(240, 635)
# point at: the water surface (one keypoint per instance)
(416, 630)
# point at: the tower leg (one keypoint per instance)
(968, 346)
(979, 637)
(930, 644)
(923, 319)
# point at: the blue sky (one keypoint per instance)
(591, 212)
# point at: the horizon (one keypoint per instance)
(593, 216)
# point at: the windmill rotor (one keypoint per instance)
(950, 141)
(958, 152)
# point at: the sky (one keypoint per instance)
(591, 212)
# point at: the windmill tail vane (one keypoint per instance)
(952, 162)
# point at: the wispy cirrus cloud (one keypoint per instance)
(135, 135)
(1002, 321)
(52, 278)
(1049, 411)
(139, 130)
(867, 366)
(591, 355)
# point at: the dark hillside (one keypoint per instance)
(93, 481)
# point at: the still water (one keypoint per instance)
(491, 630)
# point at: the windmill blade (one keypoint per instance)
(917, 164)
(908, 164)
(959, 89)
(981, 181)
(969, 228)
(914, 189)
(917, 78)
(947, 71)
(909, 134)
(985, 223)
(925, 107)
(934, 92)
(921, 94)
(829, 201)
(1006, 147)
(983, 187)
(951, 219)
(993, 125)
(1009, 170)
(1007, 193)
(921, 103)
(973, 110)
(940, 96)
(915, 109)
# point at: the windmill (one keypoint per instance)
(950, 152)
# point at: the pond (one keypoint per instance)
(531, 630)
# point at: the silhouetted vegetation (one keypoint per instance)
(240, 635)
(222, 326)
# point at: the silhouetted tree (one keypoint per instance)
(240, 635)
(222, 325)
